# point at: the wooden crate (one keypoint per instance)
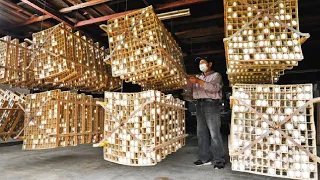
(143, 51)
(261, 131)
(60, 119)
(262, 34)
(253, 78)
(11, 115)
(70, 60)
(142, 128)
(14, 58)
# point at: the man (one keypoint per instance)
(207, 91)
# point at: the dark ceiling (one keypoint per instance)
(200, 34)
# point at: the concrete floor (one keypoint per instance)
(86, 162)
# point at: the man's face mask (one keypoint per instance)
(203, 67)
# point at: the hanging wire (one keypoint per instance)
(44, 8)
(33, 46)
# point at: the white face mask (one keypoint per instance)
(203, 67)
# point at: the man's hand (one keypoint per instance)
(195, 80)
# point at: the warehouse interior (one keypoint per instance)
(199, 34)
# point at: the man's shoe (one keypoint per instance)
(202, 163)
(219, 166)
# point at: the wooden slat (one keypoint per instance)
(16, 121)
(83, 120)
(90, 122)
(3, 109)
(82, 5)
(48, 11)
(58, 123)
(96, 121)
(7, 57)
(4, 124)
(75, 120)
(67, 111)
(89, 11)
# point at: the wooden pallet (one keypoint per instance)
(11, 115)
(273, 131)
(60, 119)
(57, 58)
(14, 58)
(71, 60)
(261, 35)
(142, 128)
(143, 51)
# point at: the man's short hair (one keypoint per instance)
(198, 59)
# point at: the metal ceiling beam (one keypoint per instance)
(48, 11)
(178, 3)
(82, 5)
